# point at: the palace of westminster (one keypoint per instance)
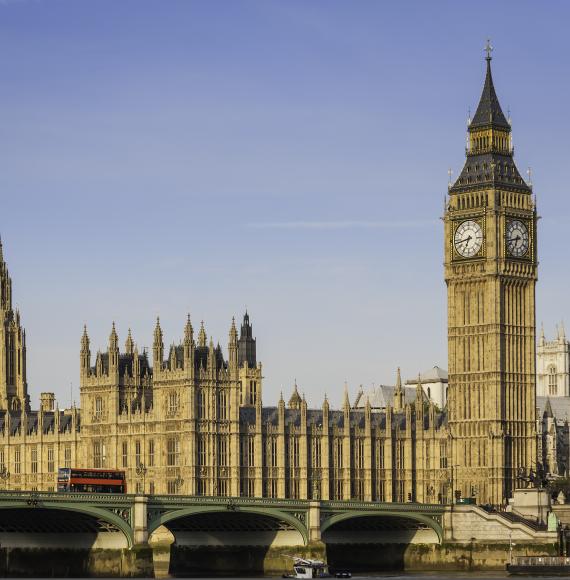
(188, 420)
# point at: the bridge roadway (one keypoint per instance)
(127, 523)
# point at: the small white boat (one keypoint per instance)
(306, 568)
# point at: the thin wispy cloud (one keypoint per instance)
(341, 225)
(8, 2)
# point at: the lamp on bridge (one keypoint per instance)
(178, 482)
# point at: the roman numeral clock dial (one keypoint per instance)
(517, 239)
(468, 239)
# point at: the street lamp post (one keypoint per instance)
(179, 482)
(141, 472)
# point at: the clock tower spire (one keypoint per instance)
(491, 272)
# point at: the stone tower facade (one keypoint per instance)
(491, 271)
(13, 385)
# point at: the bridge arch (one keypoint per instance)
(90, 519)
(178, 514)
(389, 515)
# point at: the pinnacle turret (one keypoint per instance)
(419, 389)
(129, 344)
(202, 338)
(113, 338)
(5, 284)
(295, 400)
(346, 401)
(188, 331)
(247, 344)
(157, 331)
(233, 332)
(84, 339)
(398, 392)
(158, 346)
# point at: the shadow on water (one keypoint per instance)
(366, 558)
(199, 561)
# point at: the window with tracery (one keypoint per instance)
(98, 407)
(201, 404)
(172, 403)
(172, 451)
(222, 405)
(552, 382)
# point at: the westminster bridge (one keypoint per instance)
(124, 535)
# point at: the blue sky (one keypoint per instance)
(160, 157)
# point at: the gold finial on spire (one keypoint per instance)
(488, 49)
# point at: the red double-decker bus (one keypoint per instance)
(91, 480)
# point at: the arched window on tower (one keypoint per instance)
(552, 383)
(173, 403)
(201, 403)
(222, 405)
(98, 408)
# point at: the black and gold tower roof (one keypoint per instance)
(489, 150)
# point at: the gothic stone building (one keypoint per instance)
(553, 365)
(195, 418)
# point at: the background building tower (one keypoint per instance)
(553, 365)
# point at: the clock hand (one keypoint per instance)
(514, 241)
(466, 240)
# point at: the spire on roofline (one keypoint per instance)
(489, 150)
(202, 337)
(129, 343)
(188, 330)
(295, 400)
(346, 401)
(398, 392)
(489, 112)
(113, 338)
(85, 339)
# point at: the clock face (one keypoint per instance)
(468, 238)
(517, 239)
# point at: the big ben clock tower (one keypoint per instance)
(491, 272)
